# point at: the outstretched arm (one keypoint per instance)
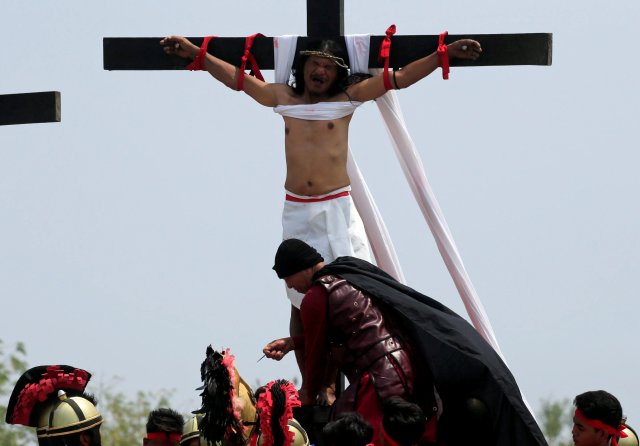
(263, 92)
(373, 87)
(279, 348)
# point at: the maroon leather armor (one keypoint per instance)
(357, 330)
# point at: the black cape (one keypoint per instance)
(461, 362)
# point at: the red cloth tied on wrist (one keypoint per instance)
(255, 71)
(384, 54)
(198, 62)
(597, 424)
(443, 55)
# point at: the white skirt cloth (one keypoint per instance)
(330, 224)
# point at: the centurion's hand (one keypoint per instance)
(278, 349)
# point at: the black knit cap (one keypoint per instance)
(293, 256)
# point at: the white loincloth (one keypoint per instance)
(333, 227)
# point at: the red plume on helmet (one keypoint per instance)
(37, 384)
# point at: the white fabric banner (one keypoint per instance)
(389, 106)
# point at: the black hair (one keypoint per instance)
(350, 429)
(165, 420)
(343, 79)
(600, 405)
(90, 397)
(403, 421)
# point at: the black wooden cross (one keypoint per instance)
(325, 18)
(30, 108)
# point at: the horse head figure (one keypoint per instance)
(228, 406)
(232, 417)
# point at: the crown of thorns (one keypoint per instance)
(339, 61)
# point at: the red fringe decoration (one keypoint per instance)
(265, 406)
(53, 379)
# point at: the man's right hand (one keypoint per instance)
(278, 348)
(179, 46)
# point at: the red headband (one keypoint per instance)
(597, 424)
(164, 436)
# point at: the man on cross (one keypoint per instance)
(317, 109)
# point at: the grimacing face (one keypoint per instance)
(320, 74)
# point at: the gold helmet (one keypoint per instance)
(34, 395)
(71, 415)
(191, 430)
(631, 439)
(43, 419)
(300, 437)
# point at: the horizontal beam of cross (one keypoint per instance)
(145, 53)
(30, 108)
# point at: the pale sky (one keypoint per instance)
(143, 227)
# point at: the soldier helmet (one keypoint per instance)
(191, 431)
(34, 395)
(631, 439)
(71, 415)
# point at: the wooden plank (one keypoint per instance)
(145, 53)
(325, 18)
(30, 108)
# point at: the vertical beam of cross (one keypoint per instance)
(325, 18)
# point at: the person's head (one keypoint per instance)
(296, 262)
(402, 422)
(164, 428)
(74, 421)
(597, 419)
(320, 69)
(350, 429)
